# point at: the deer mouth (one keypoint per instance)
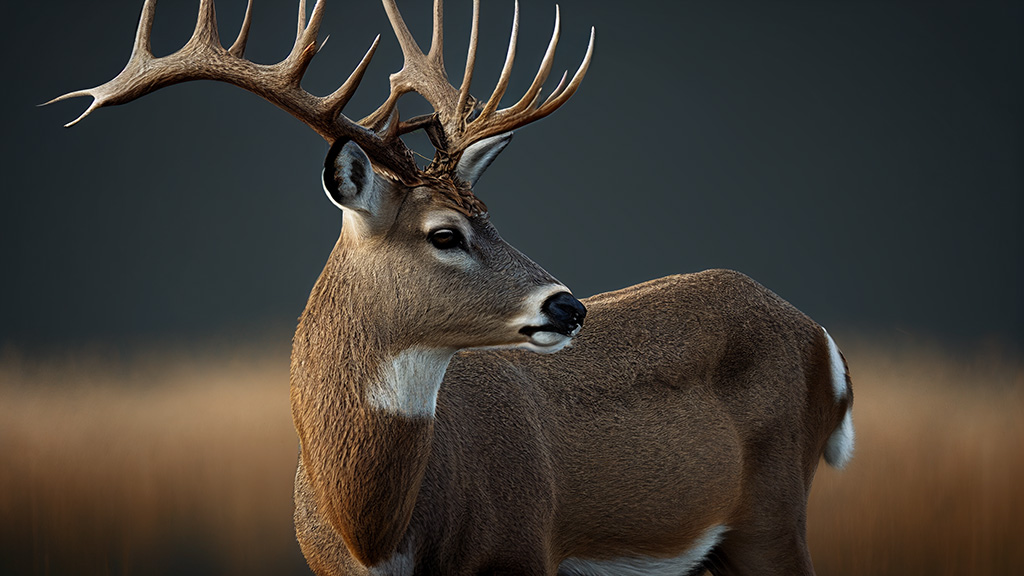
(557, 318)
(548, 338)
(548, 331)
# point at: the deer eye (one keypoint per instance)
(446, 239)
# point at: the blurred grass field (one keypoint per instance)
(181, 462)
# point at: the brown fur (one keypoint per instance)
(457, 194)
(686, 402)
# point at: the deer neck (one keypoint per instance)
(363, 405)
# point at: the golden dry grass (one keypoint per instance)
(936, 485)
(172, 464)
(179, 462)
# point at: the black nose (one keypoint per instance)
(565, 312)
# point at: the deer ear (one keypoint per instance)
(348, 178)
(479, 156)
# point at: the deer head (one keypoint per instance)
(417, 252)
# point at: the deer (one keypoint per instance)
(453, 414)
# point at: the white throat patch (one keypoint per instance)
(409, 382)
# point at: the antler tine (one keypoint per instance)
(340, 97)
(506, 71)
(206, 25)
(553, 102)
(492, 122)
(530, 98)
(313, 29)
(410, 49)
(511, 118)
(558, 89)
(412, 55)
(305, 47)
(203, 57)
(437, 40)
(420, 73)
(143, 34)
(92, 105)
(104, 94)
(302, 21)
(238, 47)
(467, 77)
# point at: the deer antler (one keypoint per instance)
(463, 119)
(203, 57)
(459, 119)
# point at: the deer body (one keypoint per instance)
(680, 430)
(671, 416)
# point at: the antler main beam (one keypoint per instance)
(203, 57)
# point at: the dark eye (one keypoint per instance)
(446, 238)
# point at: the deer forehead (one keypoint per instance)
(425, 210)
(438, 218)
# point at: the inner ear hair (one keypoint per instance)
(479, 155)
(348, 177)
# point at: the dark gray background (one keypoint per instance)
(862, 159)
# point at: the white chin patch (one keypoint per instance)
(542, 342)
(547, 342)
(546, 338)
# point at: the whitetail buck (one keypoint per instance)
(679, 432)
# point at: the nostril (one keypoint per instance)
(573, 308)
(581, 310)
(565, 311)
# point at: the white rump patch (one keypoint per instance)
(835, 359)
(409, 382)
(839, 447)
(646, 565)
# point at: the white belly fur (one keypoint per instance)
(646, 565)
